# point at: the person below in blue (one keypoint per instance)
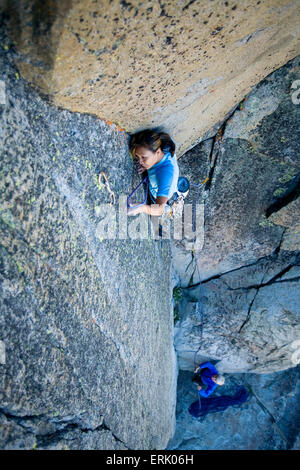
(209, 376)
(155, 154)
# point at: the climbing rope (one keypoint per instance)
(216, 404)
(265, 410)
(201, 320)
(106, 184)
(145, 180)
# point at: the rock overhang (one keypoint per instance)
(180, 65)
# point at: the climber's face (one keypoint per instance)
(214, 378)
(147, 158)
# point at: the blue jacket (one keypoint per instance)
(207, 371)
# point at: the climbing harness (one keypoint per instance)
(106, 184)
(175, 203)
(198, 185)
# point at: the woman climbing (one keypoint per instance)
(155, 154)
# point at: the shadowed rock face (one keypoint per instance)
(251, 198)
(181, 64)
(84, 321)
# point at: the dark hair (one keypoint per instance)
(197, 379)
(152, 139)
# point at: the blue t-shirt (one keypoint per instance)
(207, 371)
(163, 176)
